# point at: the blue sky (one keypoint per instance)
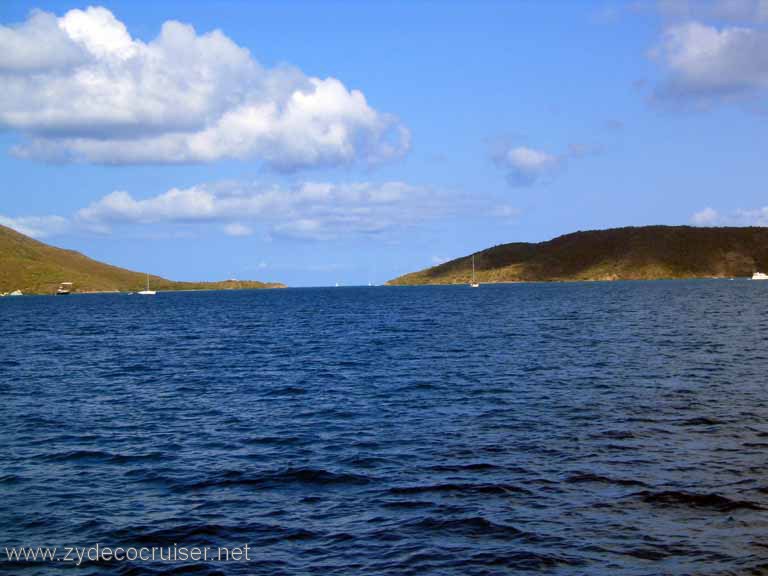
(314, 143)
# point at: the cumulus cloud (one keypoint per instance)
(753, 216)
(727, 10)
(310, 210)
(526, 166)
(37, 226)
(704, 62)
(705, 217)
(712, 51)
(80, 88)
(237, 229)
(740, 217)
(37, 45)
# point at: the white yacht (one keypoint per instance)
(759, 276)
(474, 284)
(65, 289)
(147, 292)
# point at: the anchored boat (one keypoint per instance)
(147, 292)
(474, 284)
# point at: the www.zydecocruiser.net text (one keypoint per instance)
(78, 555)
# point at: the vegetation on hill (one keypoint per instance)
(37, 268)
(634, 253)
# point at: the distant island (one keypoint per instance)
(633, 253)
(37, 268)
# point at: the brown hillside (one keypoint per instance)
(37, 268)
(635, 253)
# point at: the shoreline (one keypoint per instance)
(130, 293)
(569, 281)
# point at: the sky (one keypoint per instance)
(316, 143)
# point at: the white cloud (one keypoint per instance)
(309, 210)
(237, 229)
(526, 166)
(80, 88)
(505, 211)
(726, 10)
(712, 50)
(530, 159)
(740, 217)
(174, 205)
(38, 44)
(704, 63)
(315, 210)
(705, 217)
(37, 226)
(753, 216)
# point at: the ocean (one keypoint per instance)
(613, 428)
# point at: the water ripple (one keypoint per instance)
(597, 428)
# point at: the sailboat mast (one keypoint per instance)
(473, 268)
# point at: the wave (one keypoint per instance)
(584, 477)
(693, 499)
(471, 526)
(475, 467)
(304, 476)
(702, 421)
(273, 440)
(615, 435)
(134, 569)
(210, 533)
(662, 551)
(522, 560)
(102, 456)
(407, 504)
(287, 391)
(465, 488)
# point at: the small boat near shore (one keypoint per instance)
(759, 276)
(473, 284)
(64, 289)
(147, 292)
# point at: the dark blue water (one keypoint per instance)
(603, 428)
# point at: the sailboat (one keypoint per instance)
(474, 284)
(147, 292)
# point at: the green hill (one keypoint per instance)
(37, 268)
(643, 253)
